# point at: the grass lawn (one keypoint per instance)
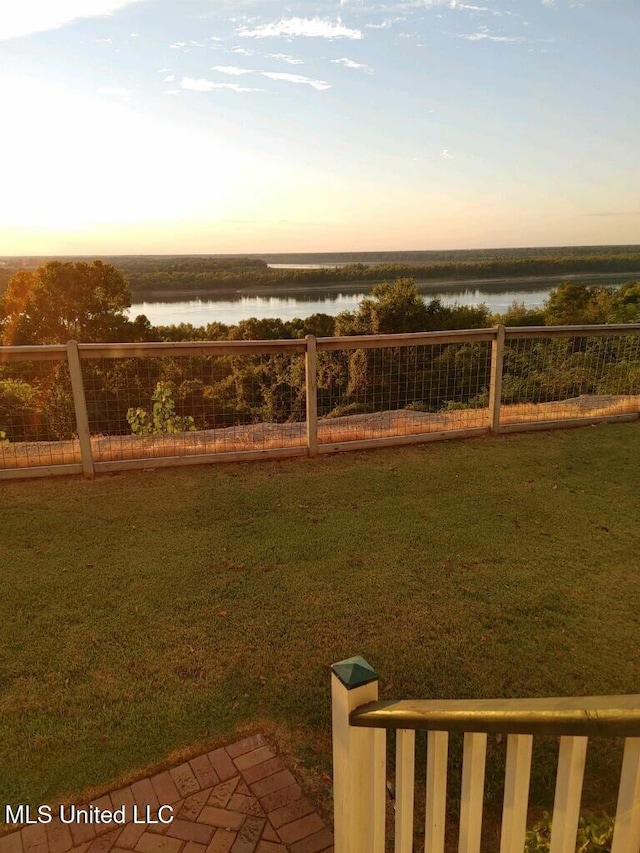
(145, 613)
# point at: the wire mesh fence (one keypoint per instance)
(402, 390)
(171, 401)
(142, 408)
(569, 377)
(37, 417)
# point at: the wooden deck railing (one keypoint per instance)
(360, 724)
(387, 420)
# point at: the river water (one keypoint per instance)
(289, 303)
(286, 306)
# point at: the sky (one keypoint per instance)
(240, 126)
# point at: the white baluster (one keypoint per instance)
(473, 764)
(405, 774)
(516, 793)
(566, 806)
(436, 805)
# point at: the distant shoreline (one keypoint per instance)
(430, 286)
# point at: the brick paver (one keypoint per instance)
(204, 771)
(165, 788)
(235, 799)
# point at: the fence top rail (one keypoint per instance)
(41, 352)
(189, 348)
(408, 339)
(599, 330)
(56, 352)
(609, 716)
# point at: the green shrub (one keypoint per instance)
(419, 407)
(349, 409)
(481, 401)
(19, 410)
(594, 835)
(163, 419)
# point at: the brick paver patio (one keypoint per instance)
(236, 799)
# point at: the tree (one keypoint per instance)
(61, 301)
(392, 307)
(572, 304)
(517, 314)
(625, 304)
(254, 329)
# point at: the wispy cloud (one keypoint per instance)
(35, 16)
(423, 4)
(467, 7)
(285, 58)
(242, 50)
(301, 27)
(383, 25)
(231, 69)
(446, 154)
(204, 85)
(320, 85)
(349, 63)
(483, 35)
(200, 84)
(450, 4)
(169, 78)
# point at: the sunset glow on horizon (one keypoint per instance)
(207, 126)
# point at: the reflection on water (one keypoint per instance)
(231, 309)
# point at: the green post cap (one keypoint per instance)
(354, 672)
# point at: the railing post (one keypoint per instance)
(311, 380)
(80, 406)
(358, 762)
(495, 389)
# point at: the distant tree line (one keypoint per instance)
(181, 279)
(63, 300)
(202, 274)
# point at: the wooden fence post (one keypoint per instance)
(80, 406)
(359, 758)
(495, 389)
(311, 380)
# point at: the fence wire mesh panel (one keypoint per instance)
(560, 378)
(406, 390)
(37, 417)
(155, 407)
(165, 401)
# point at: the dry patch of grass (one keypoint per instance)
(266, 436)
